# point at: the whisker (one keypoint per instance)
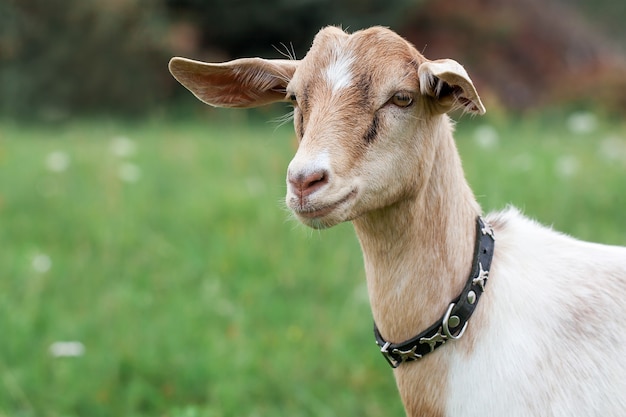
(293, 51)
(282, 120)
(289, 52)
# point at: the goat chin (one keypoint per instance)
(376, 147)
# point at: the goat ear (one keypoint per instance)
(247, 82)
(447, 81)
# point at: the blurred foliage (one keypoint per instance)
(61, 56)
(525, 54)
(251, 27)
(66, 58)
(608, 16)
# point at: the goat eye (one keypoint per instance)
(292, 97)
(402, 99)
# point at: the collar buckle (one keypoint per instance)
(393, 362)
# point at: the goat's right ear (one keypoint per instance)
(447, 81)
(247, 82)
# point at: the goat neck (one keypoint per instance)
(418, 251)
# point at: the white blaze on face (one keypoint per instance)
(338, 72)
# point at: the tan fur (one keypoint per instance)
(420, 232)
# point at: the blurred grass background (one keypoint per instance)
(163, 249)
(148, 266)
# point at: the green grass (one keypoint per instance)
(194, 293)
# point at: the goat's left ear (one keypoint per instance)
(447, 81)
(246, 82)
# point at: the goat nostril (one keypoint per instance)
(316, 179)
(305, 184)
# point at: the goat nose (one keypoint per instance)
(305, 184)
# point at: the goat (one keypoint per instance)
(376, 148)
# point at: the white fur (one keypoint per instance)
(338, 73)
(554, 343)
(306, 163)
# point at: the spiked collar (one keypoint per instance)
(453, 323)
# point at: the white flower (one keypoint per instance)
(57, 161)
(567, 166)
(360, 294)
(486, 136)
(67, 349)
(225, 308)
(522, 162)
(41, 263)
(129, 172)
(255, 186)
(582, 122)
(613, 148)
(123, 147)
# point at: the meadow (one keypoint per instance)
(149, 268)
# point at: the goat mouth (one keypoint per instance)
(309, 212)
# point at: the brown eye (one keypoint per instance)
(402, 99)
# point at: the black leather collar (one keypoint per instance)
(454, 322)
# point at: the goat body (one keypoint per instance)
(376, 148)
